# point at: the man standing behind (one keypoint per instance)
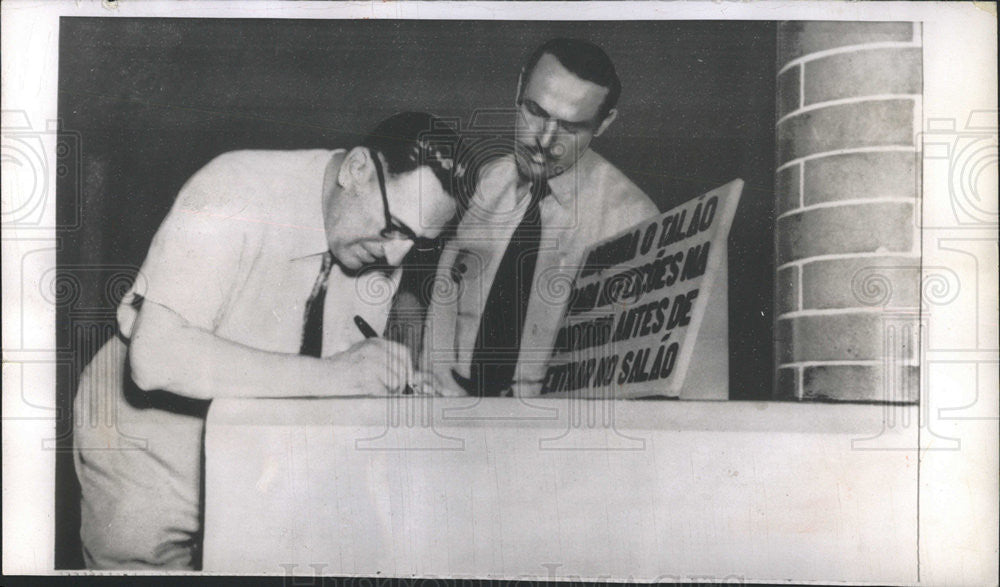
(249, 289)
(522, 239)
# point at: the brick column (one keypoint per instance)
(847, 296)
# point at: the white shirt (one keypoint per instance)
(589, 203)
(240, 251)
(237, 255)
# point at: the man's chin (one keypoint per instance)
(348, 260)
(530, 169)
(353, 265)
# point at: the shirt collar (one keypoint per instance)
(565, 187)
(310, 230)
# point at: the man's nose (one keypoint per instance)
(395, 250)
(548, 133)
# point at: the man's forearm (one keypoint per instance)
(170, 354)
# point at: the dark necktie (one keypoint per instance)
(498, 342)
(312, 331)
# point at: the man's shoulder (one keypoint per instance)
(248, 178)
(493, 180)
(612, 187)
(255, 162)
(497, 173)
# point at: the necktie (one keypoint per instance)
(312, 331)
(499, 339)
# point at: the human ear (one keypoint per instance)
(612, 115)
(356, 167)
(520, 88)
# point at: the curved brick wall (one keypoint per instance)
(847, 244)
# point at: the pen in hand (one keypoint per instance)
(368, 332)
(366, 329)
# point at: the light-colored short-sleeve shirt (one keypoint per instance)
(238, 255)
(240, 252)
(590, 202)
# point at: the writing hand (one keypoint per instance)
(377, 366)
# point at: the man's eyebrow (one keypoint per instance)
(542, 112)
(577, 123)
(403, 227)
(535, 105)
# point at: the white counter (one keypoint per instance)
(506, 488)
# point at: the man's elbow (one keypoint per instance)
(160, 357)
(149, 369)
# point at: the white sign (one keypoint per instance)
(639, 302)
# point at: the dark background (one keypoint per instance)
(144, 103)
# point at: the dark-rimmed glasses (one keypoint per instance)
(394, 230)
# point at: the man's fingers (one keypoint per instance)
(398, 366)
(390, 361)
(446, 387)
(423, 383)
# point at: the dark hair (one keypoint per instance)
(583, 59)
(409, 140)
